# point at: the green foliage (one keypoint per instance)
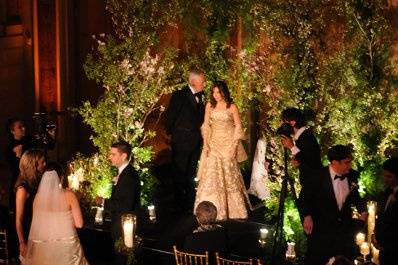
(134, 80)
(343, 79)
(332, 57)
(293, 228)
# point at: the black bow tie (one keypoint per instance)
(199, 98)
(340, 177)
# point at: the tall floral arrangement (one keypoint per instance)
(135, 74)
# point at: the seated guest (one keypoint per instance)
(386, 230)
(326, 203)
(209, 236)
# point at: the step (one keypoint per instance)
(13, 30)
(11, 42)
(13, 56)
(11, 74)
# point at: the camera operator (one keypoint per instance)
(303, 145)
(19, 142)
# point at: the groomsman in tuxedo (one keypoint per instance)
(304, 146)
(184, 117)
(125, 197)
(386, 231)
(325, 204)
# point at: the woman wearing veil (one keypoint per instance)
(56, 214)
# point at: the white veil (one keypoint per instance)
(52, 218)
(259, 178)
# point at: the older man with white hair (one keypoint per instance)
(184, 117)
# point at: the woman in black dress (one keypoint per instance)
(31, 167)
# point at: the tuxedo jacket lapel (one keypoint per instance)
(192, 98)
(328, 188)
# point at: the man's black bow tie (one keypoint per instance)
(199, 93)
(340, 177)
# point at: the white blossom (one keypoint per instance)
(138, 124)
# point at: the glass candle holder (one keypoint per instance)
(129, 224)
(263, 236)
(152, 213)
(290, 252)
(99, 217)
(364, 249)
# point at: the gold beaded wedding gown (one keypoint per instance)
(52, 239)
(219, 176)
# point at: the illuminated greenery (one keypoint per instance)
(134, 79)
(331, 57)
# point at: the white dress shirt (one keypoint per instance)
(295, 149)
(194, 92)
(340, 188)
(119, 169)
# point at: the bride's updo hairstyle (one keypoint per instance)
(224, 91)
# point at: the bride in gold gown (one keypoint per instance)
(220, 179)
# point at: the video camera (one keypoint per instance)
(42, 125)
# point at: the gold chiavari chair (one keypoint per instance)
(3, 247)
(184, 258)
(223, 261)
(259, 262)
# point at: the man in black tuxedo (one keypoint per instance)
(386, 231)
(325, 204)
(184, 117)
(304, 146)
(125, 196)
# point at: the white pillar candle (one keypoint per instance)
(359, 239)
(99, 216)
(128, 233)
(152, 213)
(372, 207)
(263, 233)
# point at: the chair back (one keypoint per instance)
(259, 262)
(224, 261)
(185, 258)
(3, 247)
